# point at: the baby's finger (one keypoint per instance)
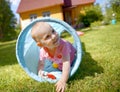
(57, 89)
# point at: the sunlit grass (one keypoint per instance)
(99, 70)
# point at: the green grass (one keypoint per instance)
(99, 70)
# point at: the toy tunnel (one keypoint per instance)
(27, 52)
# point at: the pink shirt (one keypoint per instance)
(62, 50)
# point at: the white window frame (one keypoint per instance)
(33, 16)
(46, 14)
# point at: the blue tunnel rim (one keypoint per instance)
(70, 30)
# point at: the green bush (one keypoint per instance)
(92, 14)
(96, 23)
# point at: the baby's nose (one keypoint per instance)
(53, 36)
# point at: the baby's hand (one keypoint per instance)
(41, 73)
(60, 86)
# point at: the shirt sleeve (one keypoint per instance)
(66, 49)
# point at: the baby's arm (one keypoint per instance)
(40, 68)
(61, 84)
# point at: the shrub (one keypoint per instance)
(92, 14)
(96, 23)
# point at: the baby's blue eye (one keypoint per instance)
(47, 36)
(53, 31)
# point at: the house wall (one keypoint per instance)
(55, 12)
(72, 13)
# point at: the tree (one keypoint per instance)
(7, 21)
(115, 4)
(108, 15)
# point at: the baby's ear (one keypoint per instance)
(39, 44)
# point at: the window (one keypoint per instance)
(33, 16)
(46, 14)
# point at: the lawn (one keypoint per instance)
(99, 70)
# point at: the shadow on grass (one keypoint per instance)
(7, 54)
(88, 66)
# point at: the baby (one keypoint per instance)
(60, 52)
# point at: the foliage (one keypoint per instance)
(88, 18)
(7, 21)
(18, 29)
(108, 15)
(115, 4)
(96, 24)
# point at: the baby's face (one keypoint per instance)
(50, 38)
